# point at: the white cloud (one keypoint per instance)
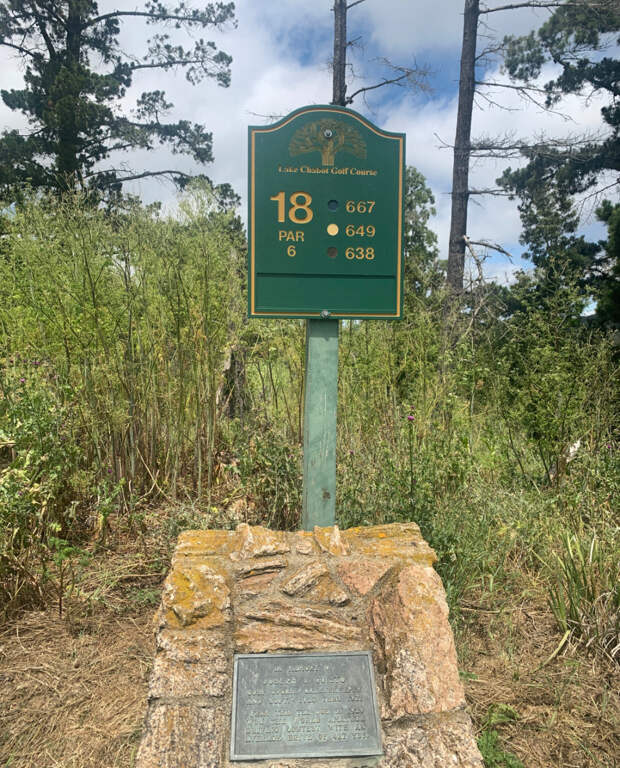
(407, 28)
(11, 78)
(281, 57)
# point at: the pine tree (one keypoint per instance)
(75, 74)
(574, 37)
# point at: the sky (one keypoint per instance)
(281, 61)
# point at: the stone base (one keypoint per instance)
(254, 590)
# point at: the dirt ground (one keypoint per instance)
(562, 711)
(73, 689)
(73, 695)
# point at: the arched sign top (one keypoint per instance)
(326, 191)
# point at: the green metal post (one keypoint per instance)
(320, 404)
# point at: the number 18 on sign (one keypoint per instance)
(325, 217)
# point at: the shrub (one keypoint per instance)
(38, 502)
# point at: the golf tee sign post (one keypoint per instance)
(325, 223)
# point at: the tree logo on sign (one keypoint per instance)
(328, 137)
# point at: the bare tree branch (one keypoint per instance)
(373, 87)
(526, 92)
(135, 176)
(489, 51)
(416, 77)
(19, 48)
(496, 192)
(477, 261)
(491, 102)
(269, 118)
(530, 4)
(486, 244)
(495, 84)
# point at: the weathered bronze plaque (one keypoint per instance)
(304, 705)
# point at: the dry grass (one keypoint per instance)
(567, 705)
(74, 688)
(73, 692)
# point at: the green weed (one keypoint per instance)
(489, 742)
(585, 592)
(493, 754)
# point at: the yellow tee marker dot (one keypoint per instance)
(332, 229)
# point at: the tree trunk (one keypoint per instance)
(66, 109)
(462, 144)
(340, 52)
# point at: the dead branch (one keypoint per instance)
(531, 4)
(498, 192)
(477, 261)
(414, 77)
(487, 244)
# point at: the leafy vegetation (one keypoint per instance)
(489, 741)
(137, 401)
(124, 352)
(115, 331)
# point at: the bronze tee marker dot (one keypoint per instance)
(332, 229)
(332, 252)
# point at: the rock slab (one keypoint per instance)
(253, 590)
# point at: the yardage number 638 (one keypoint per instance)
(360, 253)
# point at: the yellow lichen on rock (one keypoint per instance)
(203, 543)
(304, 543)
(396, 540)
(256, 541)
(327, 591)
(196, 592)
(254, 590)
(330, 540)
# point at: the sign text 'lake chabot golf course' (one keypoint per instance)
(325, 217)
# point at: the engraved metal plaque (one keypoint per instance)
(304, 705)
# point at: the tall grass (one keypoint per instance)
(585, 591)
(115, 335)
(129, 374)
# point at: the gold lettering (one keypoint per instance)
(289, 236)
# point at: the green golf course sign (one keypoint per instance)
(325, 217)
